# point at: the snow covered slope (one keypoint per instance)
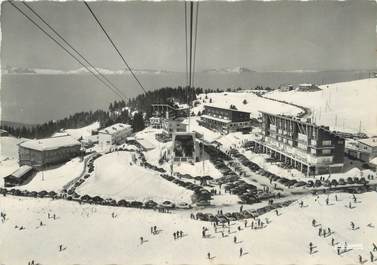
(90, 235)
(343, 106)
(254, 103)
(116, 178)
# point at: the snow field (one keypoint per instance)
(87, 232)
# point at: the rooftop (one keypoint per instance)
(50, 143)
(115, 128)
(215, 118)
(21, 171)
(218, 107)
(369, 141)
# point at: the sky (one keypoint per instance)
(262, 36)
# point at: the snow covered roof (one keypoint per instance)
(21, 171)
(50, 143)
(115, 128)
(145, 143)
(215, 119)
(373, 161)
(224, 108)
(372, 142)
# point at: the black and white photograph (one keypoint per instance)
(188, 132)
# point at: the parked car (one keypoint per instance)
(183, 205)
(167, 204)
(203, 203)
(150, 204)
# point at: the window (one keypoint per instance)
(326, 151)
(326, 142)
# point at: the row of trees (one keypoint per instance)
(117, 112)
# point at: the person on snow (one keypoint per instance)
(241, 252)
(235, 239)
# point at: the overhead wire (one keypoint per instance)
(61, 46)
(115, 47)
(74, 49)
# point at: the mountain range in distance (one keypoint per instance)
(228, 70)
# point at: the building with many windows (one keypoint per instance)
(114, 134)
(41, 152)
(225, 120)
(308, 147)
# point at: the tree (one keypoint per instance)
(138, 122)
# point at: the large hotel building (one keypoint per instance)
(225, 120)
(308, 147)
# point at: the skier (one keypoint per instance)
(327, 201)
(319, 231)
(141, 240)
(235, 239)
(338, 250)
(175, 236)
(332, 241)
(371, 256)
(311, 248)
(209, 255)
(241, 251)
(374, 246)
(360, 259)
(41, 224)
(350, 205)
(353, 225)
(301, 204)
(245, 223)
(252, 224)
(60, 247)
(313, 222)
(329, 230)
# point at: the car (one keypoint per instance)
(230, 217)
(203, 203)
(342, 181)
(221, 219)
(167, 204)
(183, 205)
(150, 204)
(300, 184)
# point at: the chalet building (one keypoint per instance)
(114, 135)
(48, 151)
(308, 147)
(363, 149)
(225, 120)
(174, 126)
(19, 176)
(167, 111)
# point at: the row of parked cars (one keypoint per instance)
(26, 193)
(245, 214)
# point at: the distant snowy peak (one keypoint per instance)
(82, 70)
(237, 70)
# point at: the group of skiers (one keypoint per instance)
(178, 235)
